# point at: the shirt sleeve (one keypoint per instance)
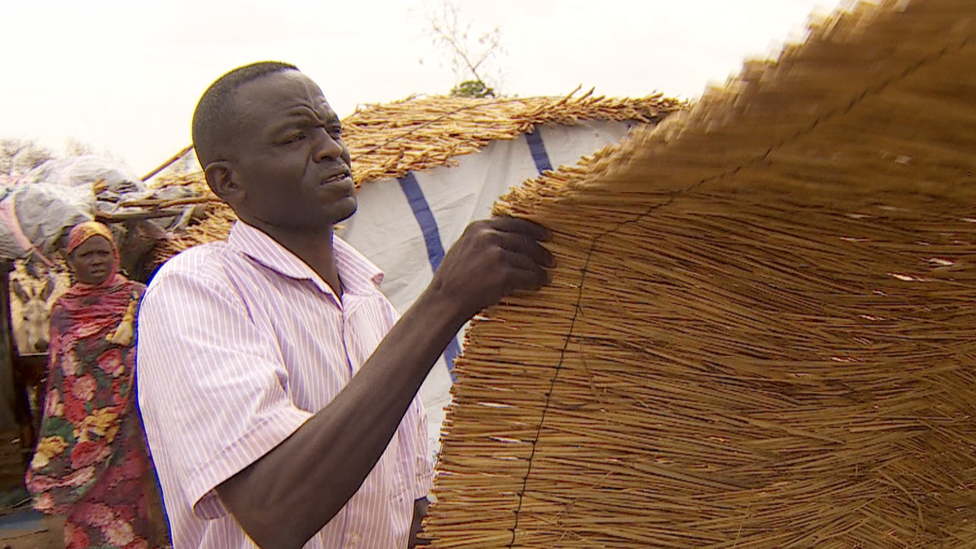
(413, 441)
(414, 450)
(211, 386)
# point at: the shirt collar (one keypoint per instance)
(359, 275)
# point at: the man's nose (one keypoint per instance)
(326, 147)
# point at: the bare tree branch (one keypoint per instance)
(469, 58)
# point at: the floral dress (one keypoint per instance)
(92, 463)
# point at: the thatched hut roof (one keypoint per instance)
(760, 329)
(387, 141)
(420, 133)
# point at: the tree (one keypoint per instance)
(472, 88)
(73, 147)
(18, 156)
(472, 58)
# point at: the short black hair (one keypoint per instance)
(214, 108)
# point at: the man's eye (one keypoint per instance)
(335, 132)
(293, 138)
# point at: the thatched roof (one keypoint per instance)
(386, 141)
(760, 329)
(421, 133)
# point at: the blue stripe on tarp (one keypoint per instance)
(425, 218)
(450, 355)
(432, 239)
(538, 150)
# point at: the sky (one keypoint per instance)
(123, 76)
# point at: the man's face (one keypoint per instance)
(288, 156)
(92, 260)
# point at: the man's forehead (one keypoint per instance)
(279, 92)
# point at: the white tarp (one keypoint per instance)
(34, 216)
(38, 208)
(405, 226)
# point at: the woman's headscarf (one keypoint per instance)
(79, 235)
(83, 231)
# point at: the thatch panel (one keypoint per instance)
(760, 330)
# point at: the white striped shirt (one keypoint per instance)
(240, 342)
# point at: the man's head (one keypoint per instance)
(271, 147)
(214, 114)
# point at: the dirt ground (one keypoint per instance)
(47, 535)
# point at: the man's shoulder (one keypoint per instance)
(214, 261)
(198, 257)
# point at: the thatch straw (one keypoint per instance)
(760, 333)
(422, 133)
(387, 141)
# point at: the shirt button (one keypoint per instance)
(354, 538)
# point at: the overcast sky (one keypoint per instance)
(123, 76)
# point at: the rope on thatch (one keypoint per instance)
(759, 332)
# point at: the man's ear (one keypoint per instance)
(220, 178)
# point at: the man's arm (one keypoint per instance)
(289, 494)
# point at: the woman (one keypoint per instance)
(92, 463)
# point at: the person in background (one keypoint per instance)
(278, 386)
(91, 464)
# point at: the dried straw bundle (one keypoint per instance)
(387, 141)
(760, 333)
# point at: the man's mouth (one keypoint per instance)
(335, 178)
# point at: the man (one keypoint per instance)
(277, 387)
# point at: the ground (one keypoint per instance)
(29, 530)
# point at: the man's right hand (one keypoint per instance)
(493, 259)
